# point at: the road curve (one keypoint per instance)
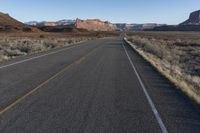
(100, 86)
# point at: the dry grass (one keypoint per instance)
(11, 47)
(175, 54)
(14, 44)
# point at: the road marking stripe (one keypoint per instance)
(33, 58)
(153, 108)
(2, 111)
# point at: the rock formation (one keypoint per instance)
(8, 24)
(94, 25)
(194, 19)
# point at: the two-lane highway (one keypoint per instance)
(101, 86)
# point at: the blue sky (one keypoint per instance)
(130, 11)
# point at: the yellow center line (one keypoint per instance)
(2, 111)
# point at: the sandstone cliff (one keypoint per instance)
(94, 25)
(194, 19)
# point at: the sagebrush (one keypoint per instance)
(177, 53)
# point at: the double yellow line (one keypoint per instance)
(2, 111)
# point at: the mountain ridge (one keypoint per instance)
(111, 26)
(191, 24)
(194, 19)
(9, 24)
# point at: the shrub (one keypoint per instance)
(177, 54)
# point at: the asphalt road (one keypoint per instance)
(100, 86)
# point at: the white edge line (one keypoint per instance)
(22, 61)
(153, 108)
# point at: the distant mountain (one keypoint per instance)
(66, 25)
(192, 24)
(151, 25)
(137, 27)
(91, 25)
(194, 19)
(8, 24)
(95, 25)
(63, 22)
(128, 27)
(176, 28)
(32, 23)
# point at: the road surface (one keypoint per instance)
(99, 86)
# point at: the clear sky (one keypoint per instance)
(130, 11)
